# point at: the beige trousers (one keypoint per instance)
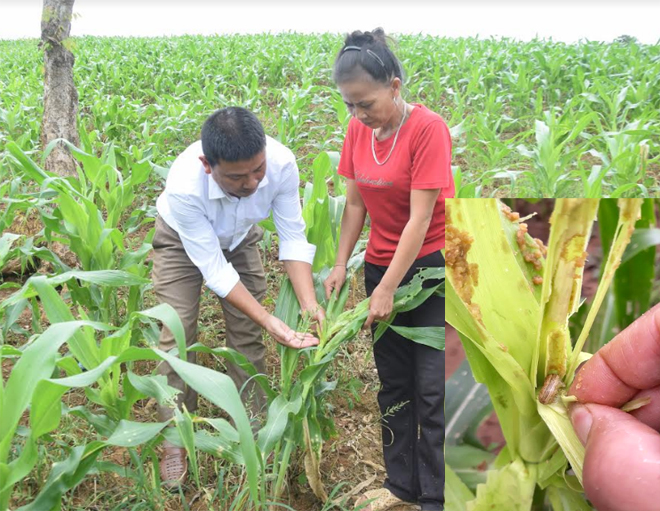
(178, 282)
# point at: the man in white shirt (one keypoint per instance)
(217, 191)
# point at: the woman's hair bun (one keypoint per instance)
(374, 57)
(359, 38)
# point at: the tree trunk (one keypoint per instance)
(60, 94)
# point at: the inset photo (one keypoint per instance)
(552, 355)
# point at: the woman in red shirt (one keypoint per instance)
(397, 159)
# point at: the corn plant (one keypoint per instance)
(91, 230)
(552, 156)
(307, 391)
(626, 158)
(30, 384)
(83, 345)
(511, 300)
(312, 423)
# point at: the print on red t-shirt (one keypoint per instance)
(421, 160)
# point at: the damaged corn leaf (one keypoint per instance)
(498, 339)
(629, 213)
(571, 225)
(511, 300)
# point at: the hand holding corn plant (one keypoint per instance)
(511, 298)
(298, 415)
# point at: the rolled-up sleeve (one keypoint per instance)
(289, 222)
(201, 244)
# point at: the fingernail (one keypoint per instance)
(577, 370)
(582, 420)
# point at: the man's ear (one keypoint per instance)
(205, 162)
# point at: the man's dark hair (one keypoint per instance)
(368, 52)
(232, 134)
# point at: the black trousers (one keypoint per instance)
(412, 398)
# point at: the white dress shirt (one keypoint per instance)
(209, 221)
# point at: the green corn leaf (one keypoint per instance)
(466, 461)
(36, 364)
(154, 386)
(221, 391)
(83, 345)
(216, 445)
(456, 493)
(431, 336)
(45, 411)
(240, 360)
(279, 413)
(65, 475)
(642, 239)
(132, 434)
(184, 426)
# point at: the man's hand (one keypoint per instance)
(622, 461)
(279, 331)
(380, 305)
(335, 281)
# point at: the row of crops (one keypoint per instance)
(76, 312)
(528, 119)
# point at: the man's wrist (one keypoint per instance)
(262, 318)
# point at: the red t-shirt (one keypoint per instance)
(421, 160)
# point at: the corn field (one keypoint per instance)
(79, 323)
(528, 119)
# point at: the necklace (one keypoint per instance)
(396, 136)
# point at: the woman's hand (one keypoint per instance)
(335, 280)
(380, 305)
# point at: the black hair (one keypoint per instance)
(232, 134)
(370, 52)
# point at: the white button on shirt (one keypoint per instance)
(209, 221)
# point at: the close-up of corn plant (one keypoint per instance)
(519, 311)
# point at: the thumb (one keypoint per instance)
(622, 461)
